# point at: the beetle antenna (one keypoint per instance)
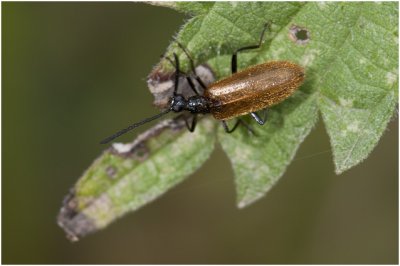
(123, 131)
(177, 74)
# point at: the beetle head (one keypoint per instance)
(178, 103)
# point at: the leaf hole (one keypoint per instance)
(299, 35)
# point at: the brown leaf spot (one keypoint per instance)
(111, 171)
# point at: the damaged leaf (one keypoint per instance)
(127, 176)
(349, 52)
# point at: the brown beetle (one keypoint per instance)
(245, 92)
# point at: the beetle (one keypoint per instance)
(244, 92)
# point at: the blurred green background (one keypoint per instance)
(75, 72)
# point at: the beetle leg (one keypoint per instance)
(225, 125)
(191, 85)
(172, 63)
(259, 120)
(192, 66)
(234, 56)
(256, 117)
(238, 122)
(193, 125)
(177, 73)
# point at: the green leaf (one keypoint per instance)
(193, 8)
(127, 176)
(349, 52)
(259, 161)
(351, 67)
(358, 91)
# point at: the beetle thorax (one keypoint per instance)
(194, 104)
